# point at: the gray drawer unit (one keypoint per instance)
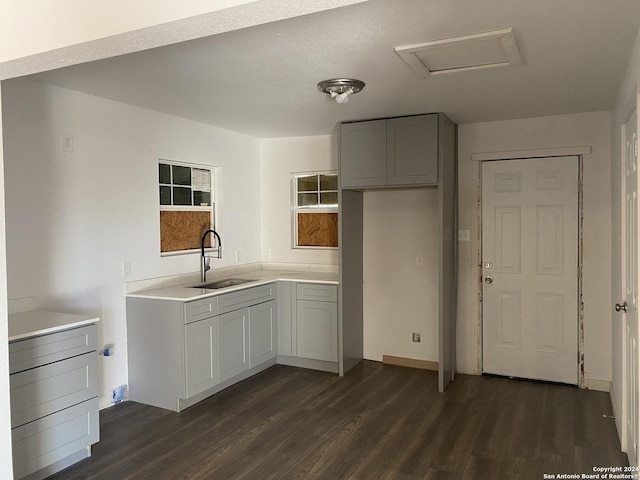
(51, 439)
(246, 298)
(42, 391)
(37, 351)
(200, 309)
(54, 404)
(317, 292)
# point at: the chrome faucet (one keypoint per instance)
(204, 264)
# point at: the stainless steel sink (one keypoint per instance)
(228, 282)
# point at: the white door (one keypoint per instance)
(629, 307)
(530, 264)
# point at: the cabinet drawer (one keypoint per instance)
(245, 298)
(44, 390)
(52, 438)
(201, 309)
(37, 351)
(317, 292)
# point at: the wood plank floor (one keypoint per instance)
(378, 422)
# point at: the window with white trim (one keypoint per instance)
(187, 205)
(315, 209)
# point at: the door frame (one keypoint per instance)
(524, 155)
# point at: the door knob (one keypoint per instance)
(622, 307)
(488, 279)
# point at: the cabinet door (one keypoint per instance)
(262, 333)
(232, 330)
(412, 150)
(317, 330)
(201, 355)
(363, 154)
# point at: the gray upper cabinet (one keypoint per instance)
(363, 154)
(387, 153)
(412, 150)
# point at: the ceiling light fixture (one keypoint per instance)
(341, 88)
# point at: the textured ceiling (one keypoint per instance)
(261, 80)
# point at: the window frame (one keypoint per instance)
(295, 209)
(212, 207)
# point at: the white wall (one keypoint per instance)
(6, 468)
(400, 297)
(71, 21)
(621, 110)
(73, 218)
(280, 157)
(38, 35)
(591, 129)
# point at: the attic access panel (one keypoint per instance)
(459, 54)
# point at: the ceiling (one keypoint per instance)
(261, 81)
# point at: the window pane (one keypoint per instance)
(181, 175)
(165, 195)
(181, 196)
(307, 199)
(308, 184)
(164, 173)
(328, 182)
(329, 198)
(200, 198)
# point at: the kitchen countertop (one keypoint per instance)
(39, 322)
(187, 293)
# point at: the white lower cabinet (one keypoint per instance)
(317, 330)
(180, 353)
(308, 330)
(54, 404)
(263, 333)
(201, 355)
(232, 328)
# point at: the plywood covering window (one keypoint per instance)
(315, 210)
(186, 198)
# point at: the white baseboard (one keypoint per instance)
(616, 412)
(599, 385)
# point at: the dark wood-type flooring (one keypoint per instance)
(378, 422)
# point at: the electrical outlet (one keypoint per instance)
(464, 235)
(119, 394)
(238, 256)
(267, 254)
(415, 337)
(66, 142)
(420, 260)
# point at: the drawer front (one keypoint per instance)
(45, 390)
(245, 298)
(37, 351)
(317, 292)
(201, 309)
(52, 438)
